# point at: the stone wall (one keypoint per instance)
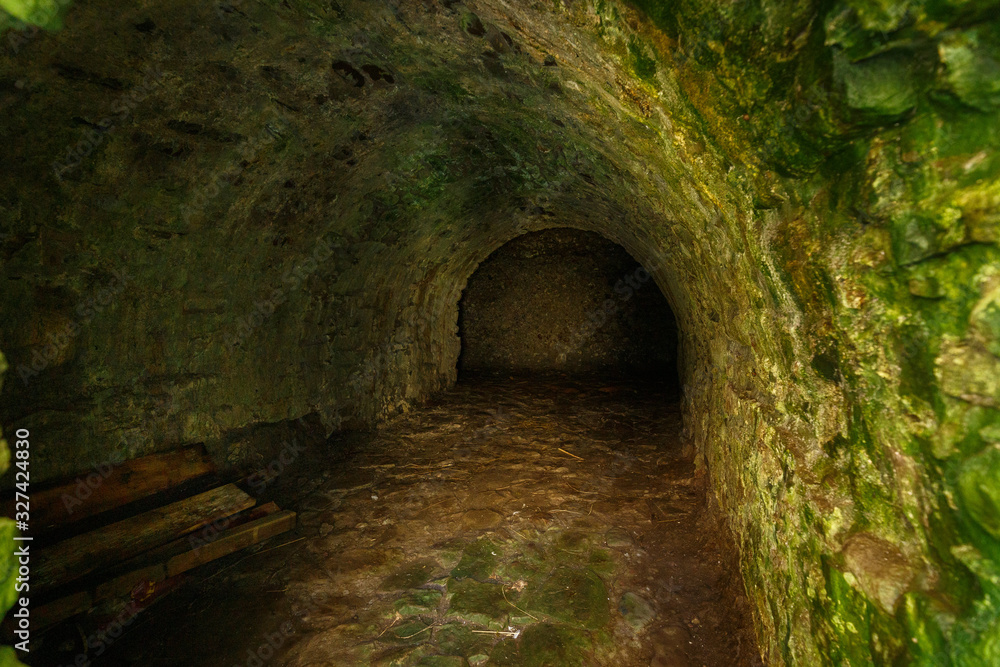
(222, 216)
(565, 301)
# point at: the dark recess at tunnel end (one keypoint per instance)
(566, 301)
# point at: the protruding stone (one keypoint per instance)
(618, 538)
(972, 68)
(969, 372)
(880, 88)
(880, 569)
(636, 610)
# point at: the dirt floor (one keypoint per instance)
(515, 522)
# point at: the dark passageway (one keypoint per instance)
(566, 301)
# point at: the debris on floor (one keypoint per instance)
(460, 534)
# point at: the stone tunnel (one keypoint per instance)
(584, 332)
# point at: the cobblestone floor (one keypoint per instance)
(516, 522)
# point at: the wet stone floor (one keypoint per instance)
(541, 522)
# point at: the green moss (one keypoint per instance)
(48, 14)
(8, 562)
(919, 616)
(479, 561)
(643, 65)
(543, 645)
(857, 631)
(477, 602)
(571, 595)
(459, 639)
(418, 602)
(979, 487)
(974, 637)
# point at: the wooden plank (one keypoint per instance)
(124, 585)
(59, 610)
(111, 485)
(164, 553)
(238, 538)
(105, 546)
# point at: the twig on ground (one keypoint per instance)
(415, 633)
(504, 592)
(390, 626)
